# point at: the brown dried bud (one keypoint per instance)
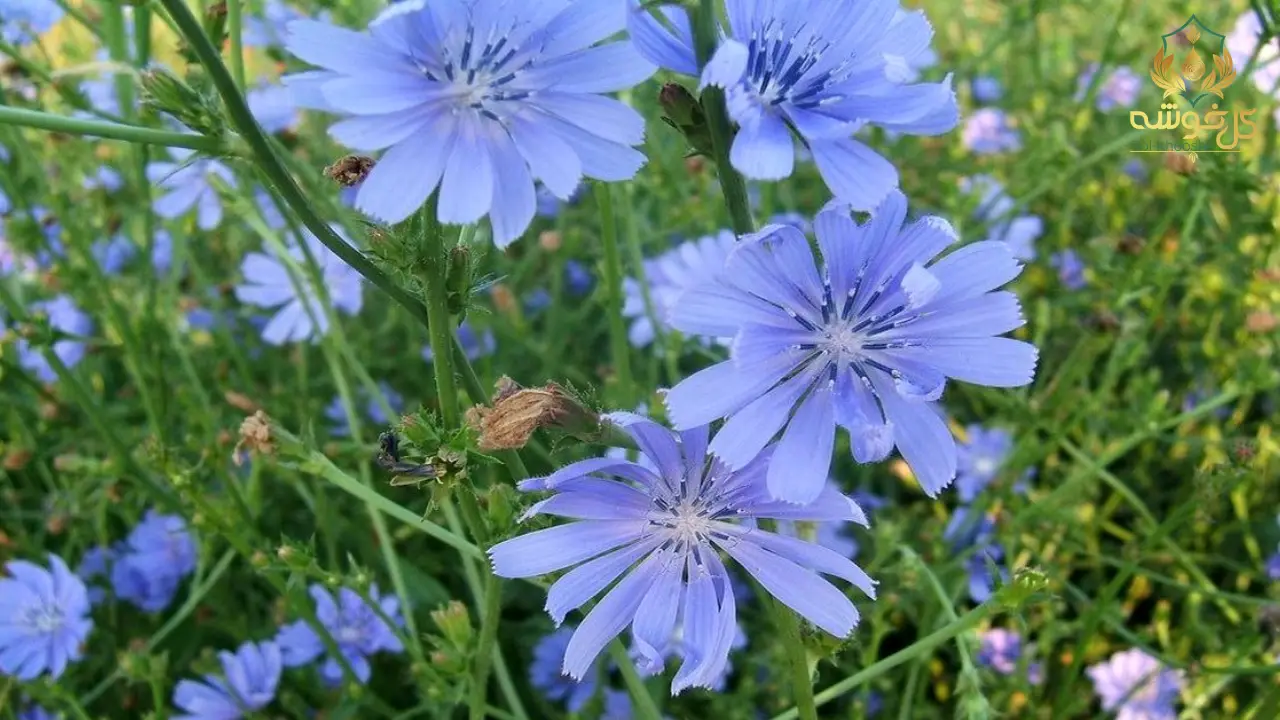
(694, 165)
(503, 299)
(255, 434)
(16, 459)
(1260, 321)
(550, 240)
(1181, 163)
(1131, 244)
(56, 524)
(240, 401)
(515, 416)
(350, 170)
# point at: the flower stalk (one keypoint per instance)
(705, 33)
(613, 287)
(110, 130)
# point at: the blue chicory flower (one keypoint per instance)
(1136, 686)
(476, 344)
(152, 562)
(64, 317)
(112, 254)
(973, 532)
(867, 344)
(188, 186)
(1070, 269)
(669, 275)
(986, 89)
(536, 300)
(337, 415)
(824, 68)
(359, 631)
(267, 31)
(1273, 566)
(1001, 650)
(36, 712)
(1135, 169)
(25, 20)
(663, 532)
(273, 107)
(44, 619)
(1120, 89)
(272, 215)
(270, 282)
(996, 209)
(546, 676)
(578, 278)
(162, 251)
(1242, 42)
(980, 459)
(478, 98)
(248, 683)
(794, 219)
(549, 205)
(105, 178)
(96, 564)
(987, 131)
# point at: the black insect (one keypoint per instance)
(388, 458)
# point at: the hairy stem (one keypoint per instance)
(705, 37)
(613, 288)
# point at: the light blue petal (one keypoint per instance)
(726, 66)
(751, 428)
(798, 588)
(856, 174)
(763, 150)
(582, 583)
(800, 465)
(608, 618)
(655, 618)
(657, 44)
(405, 175)
(552, 161)
(466, 190)
(545, 551)
(921, 436)
(514, 198)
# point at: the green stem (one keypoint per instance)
(705, 38)
(926, 644)
(237, 48)
(488, 640)
(645, 707)
(113, 131)
(439, 322)
(613, 288)
(801, 684)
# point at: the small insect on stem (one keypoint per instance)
(407, 473)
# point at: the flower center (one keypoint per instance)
(776, 66)
(985, 466)
(689, 522)
(843, 339)
(45, 619)
(348, 634)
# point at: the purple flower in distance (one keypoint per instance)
(1273, 566)
(113, 254)
(266, 31)
(986, 89)
(547, 675)
(337, 415)
(1001, 649)
(866, 343)
(662, 532)
(64, 317)
(248, 683)
(987, 131)
(1242, 42)
(996, 209)
(824, 68)
(973, 532)
(359, 631)
(271, 282)
(152, 562)
(96, 564)
(104, 178)
(36, 712)
(273, 107)
(475, 343)
(44, 619)
(689, 264)
(1070, 269)
(187, 185)
(1120, 89)
(549, 205)
(1136, 686)
(479, 98)
(24, 20)
(577, 278)
(980, 459)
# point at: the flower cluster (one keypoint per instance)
(360, 629)
(146, 568)
(667, 277)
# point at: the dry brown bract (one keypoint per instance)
(517, 412)
(255, 434)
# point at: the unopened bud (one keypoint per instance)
(454, 623)
(458, 280)
(168, 93)
(549, 240)
(1181, 163)
(684, 113)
